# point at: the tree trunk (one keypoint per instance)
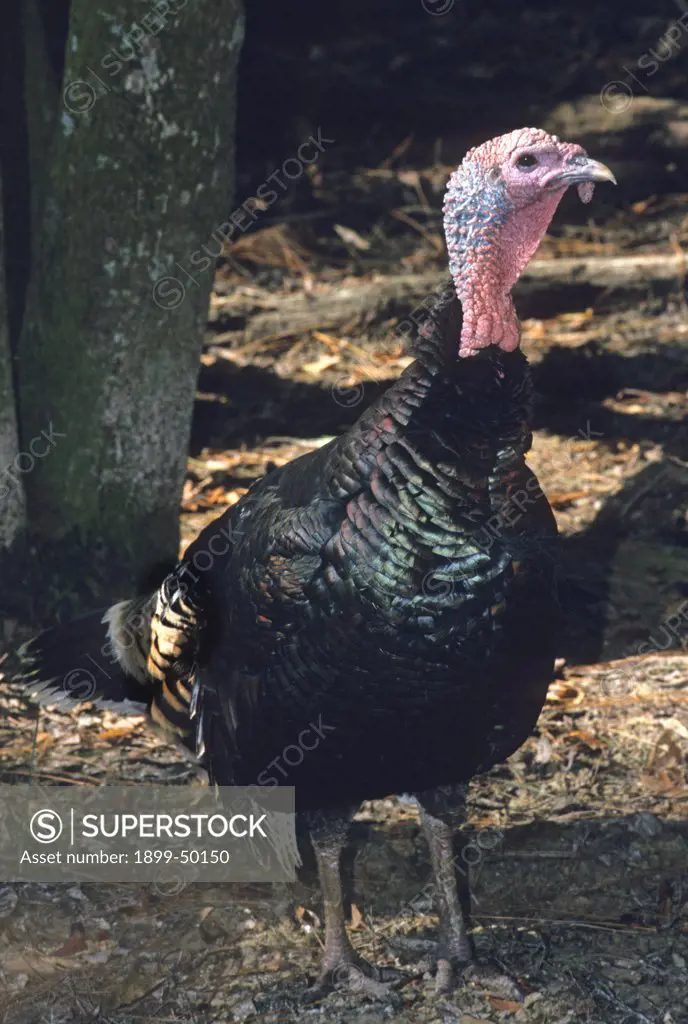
(139, 179)
(11, 486)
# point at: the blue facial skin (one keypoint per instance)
(476, 207)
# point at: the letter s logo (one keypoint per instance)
(46, 826)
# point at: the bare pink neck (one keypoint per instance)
(485, 277)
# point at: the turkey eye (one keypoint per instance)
(526, 160)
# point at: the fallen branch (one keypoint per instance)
(604, 666)
(547, 286)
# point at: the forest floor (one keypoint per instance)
(584, 897)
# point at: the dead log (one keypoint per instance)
(547, 287)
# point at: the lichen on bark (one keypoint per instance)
(140, 173)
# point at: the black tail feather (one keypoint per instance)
(105, 658)
(76, 662)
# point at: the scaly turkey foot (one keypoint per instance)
(341, 966)
(453, 957)
(356, 975)
(450, 967)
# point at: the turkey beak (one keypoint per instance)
(581, 169)
(600, 172)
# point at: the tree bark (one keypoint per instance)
(41, 101)
(139, 177)
(12, 509)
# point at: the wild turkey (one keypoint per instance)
(397, 585)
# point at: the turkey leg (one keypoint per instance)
(341, 965)
(441, 811)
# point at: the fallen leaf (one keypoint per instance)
(564, 693)
(566, 497)
(543, 750)
(674, 725)
(666, 754)
(662, 783)
(323, 362)
(306, 918)
(31, 963)
(586, 738)
(217, 496)
(213, 925)
(117, 731)
(75, 943)
(351, 237)
(575, 319)
(510, 1005)
(356, 917)
(44, 741)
